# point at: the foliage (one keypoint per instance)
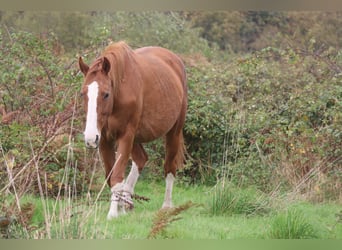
(254, 30)
(168, 30)
(271, 115)
(89, 31)
(206, 123)
(291, 111)
(37, 103)
(291, 224)
(264, 109)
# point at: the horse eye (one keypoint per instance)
(106, 95)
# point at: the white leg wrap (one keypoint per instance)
(122, 194)
(168, 191)
(114, 210)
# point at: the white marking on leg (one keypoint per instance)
(128, 189)
(91, 132)
(114, 209)
(132, 179)
(168, 191)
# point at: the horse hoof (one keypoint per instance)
(111, 215)
(167, 206)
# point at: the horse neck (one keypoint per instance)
(121, 64)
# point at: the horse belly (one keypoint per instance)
(163, 93)
(154, 128)
(158, 118)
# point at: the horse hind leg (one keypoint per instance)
(174, 159)
(139, 159)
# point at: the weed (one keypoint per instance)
(165, 217)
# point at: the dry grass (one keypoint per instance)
(165, 217)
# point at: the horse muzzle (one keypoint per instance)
(92, 141)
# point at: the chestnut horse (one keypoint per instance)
(133, 97)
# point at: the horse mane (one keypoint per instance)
(118, 54)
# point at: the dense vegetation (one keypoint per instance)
(265, 98)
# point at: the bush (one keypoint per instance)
(251, 31)
(90, 32)
(37, 94)
(205, 125)
(285, 116)
(271, 117)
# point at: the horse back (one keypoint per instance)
(156, 55)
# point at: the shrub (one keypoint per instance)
(205, 122)
(248, 31)
(37, 102)
(285, 115)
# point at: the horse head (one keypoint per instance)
(98, 96)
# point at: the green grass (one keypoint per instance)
(292, 224)
(227, 199)
(69, 218)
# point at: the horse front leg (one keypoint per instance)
(139, 159)
(107, 153)
(116, 181)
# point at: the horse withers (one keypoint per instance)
(132, 97)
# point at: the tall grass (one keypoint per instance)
(228, 199)
(292, 224)
(65, 217)
(71, 215)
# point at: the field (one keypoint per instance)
(263, 130)
(248, 215)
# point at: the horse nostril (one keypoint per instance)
(97, 139)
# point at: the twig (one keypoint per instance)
(49, 78)
(32, 160)
(10, 176)
(105, 182)
(41, 192)
(140, 198)
(8, 33)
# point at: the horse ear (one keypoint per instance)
(106, 65)
(83, 67)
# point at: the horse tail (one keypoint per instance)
(180, 158)
(177, 130)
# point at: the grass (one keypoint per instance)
(69, 218)
(229, 199)
(292, 224)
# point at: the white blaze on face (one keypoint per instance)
(91, 133)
